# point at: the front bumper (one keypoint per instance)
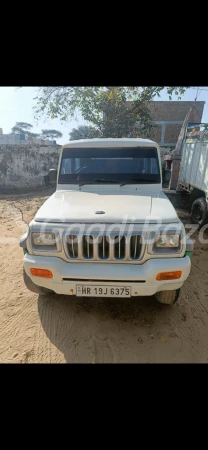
(140, 277)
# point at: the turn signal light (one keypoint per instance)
(41, 273)
(168, 275)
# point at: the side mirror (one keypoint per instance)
(52, 175)
(166, 175)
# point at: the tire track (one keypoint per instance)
(74, 328)
(41, 344)
(16, 319)
(194, 348)
(60, 326)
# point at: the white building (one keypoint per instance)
(22, 139)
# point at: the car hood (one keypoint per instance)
(93, 207)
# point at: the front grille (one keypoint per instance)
(72, 243)
(87, 246)
(104, 247)
(135, 246)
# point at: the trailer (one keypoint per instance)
(193, 175)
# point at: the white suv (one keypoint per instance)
(108, 230)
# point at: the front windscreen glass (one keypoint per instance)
(113, 165)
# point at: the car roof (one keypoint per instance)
(110, 142)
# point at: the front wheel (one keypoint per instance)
(167, 297)
(199, 211)
(33, 287)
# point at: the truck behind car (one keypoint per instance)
(193, 175)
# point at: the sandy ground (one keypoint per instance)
(58, 329)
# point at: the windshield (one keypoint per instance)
(113, 165)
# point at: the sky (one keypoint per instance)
(16, 105)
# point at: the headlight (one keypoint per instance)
(168, 241)
(45, 241)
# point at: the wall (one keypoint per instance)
(173, 111)
(25, 166)
(168, 117)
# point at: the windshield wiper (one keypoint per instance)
(104, 180)
(139, 180)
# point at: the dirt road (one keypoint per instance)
(37, 329)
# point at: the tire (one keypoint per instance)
(33, 287)
(199, 211)
(167, 297)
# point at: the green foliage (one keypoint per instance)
(24, 125)
(17, 130)
(23, 128)
(84, 132)
(51, 134)
(105, 107)
(34, 135)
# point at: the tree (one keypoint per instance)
(84, 132)
(51, 134)
(17, 130)
(113, 110)
(22, 127)
(34, 135)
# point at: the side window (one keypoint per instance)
(150, 166)
(66, 166)
(154, 167)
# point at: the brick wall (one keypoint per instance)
(169, 116)
(173, 111)
(172, 133)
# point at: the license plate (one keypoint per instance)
(102, 291)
